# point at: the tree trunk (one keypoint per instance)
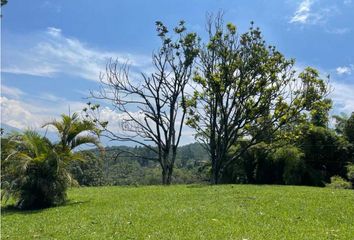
(167, 167)
(164, 175)
(167, 175)
(215, 175)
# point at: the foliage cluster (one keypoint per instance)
(34, 171)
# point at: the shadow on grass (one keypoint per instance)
(11, 209)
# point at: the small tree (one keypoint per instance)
(73, 132)
(34, 173)
(153, 110)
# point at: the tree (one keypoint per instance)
(243, 87)
(345, 127)
(71, 131)
(34, 173)
(88, 172)
(349, 129)
(340, 123)
(153, 110)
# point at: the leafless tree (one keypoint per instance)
(152, 108)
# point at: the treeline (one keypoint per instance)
(131, 166)
(310, 154)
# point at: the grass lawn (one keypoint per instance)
(190, 212)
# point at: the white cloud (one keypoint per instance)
(116, 124)
(312, 12)
(52, 53)
(11, 91)
(55, 32)
(343, 70)
(29, 113)
(341, 92)
(29, 69)
(302, 13)
(51, 97)
(16, 114)
(343, 97)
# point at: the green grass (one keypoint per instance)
(190, 212)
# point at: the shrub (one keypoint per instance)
(34, 174)
(88, 172)
(339, 182)
(293, 164)
(350, 172)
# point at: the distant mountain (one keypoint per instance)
(7, 129)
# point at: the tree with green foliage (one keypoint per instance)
(345, 127)
(34, 172)
(340, 121)
(154, 109)
(90, 171)
(71, 131)
(349, 129)
(292, 162)
(243, 87)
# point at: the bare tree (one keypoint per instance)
(153, 108)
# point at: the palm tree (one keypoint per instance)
(33, 172)
(71, 131)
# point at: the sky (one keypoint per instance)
(52, 52)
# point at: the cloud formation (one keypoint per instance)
(53, 53)
(343, 97)
(345, 70)
(11, 91)
(302, 13)
(313, 12)
(22, 112)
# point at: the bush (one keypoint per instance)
(88, 172)
(293, 164)
(350, 172)
(339, 182)
(33, 173)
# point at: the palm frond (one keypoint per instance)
(80, 140)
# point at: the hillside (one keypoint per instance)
(190, 212)
(124, 165)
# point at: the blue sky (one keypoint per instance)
(53, 51)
